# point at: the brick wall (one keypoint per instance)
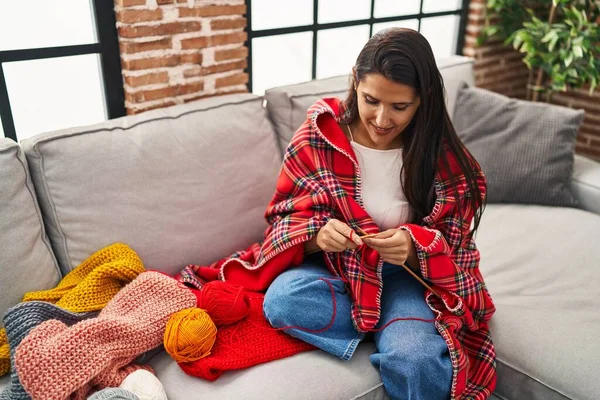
(500, 69)
(175, 51)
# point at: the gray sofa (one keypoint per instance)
(190, 183)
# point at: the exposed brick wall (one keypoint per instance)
(588, 140)
(175, 51)
(500, 69)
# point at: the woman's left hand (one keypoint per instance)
(395, 246)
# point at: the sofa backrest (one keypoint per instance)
(26, 259)
(180, 185)
(287, 105)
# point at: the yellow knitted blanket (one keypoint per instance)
(89, 287)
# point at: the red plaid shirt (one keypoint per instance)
(320, 180)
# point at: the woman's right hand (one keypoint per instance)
(335, 237)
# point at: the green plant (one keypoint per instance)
(503, 17)
(562, 51)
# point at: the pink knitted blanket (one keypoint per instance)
(56, 361)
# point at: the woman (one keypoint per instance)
(385, 161)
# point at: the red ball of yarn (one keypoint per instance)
(224, 302)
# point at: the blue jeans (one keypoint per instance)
(411, 356)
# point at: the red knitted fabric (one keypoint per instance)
(244, 344)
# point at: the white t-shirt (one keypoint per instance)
(382, 193)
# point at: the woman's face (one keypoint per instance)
(385, 109)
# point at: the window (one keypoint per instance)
(59, 66)
(314, 39)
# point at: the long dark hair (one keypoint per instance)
(404, 56)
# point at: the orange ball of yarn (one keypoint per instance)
(190, 335)
(225, 303)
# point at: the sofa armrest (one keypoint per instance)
(586, 183)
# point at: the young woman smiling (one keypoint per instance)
(387, 162)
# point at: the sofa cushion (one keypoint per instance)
(287, 105)
(525, 149)
(26, 260)
(311, 375)
(542, 268)
(180, 185)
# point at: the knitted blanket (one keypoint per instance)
(56, 361)
(19, 321)
(89, 287)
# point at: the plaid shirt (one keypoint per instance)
(319, 180)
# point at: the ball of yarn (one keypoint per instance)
(190, 335)
(225, 303)
(144, 385)
(115, 394)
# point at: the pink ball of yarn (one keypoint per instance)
(224, 302)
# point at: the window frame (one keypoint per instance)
(315, 27)
(110, 62)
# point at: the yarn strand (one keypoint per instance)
(334, 302)
(334, 314)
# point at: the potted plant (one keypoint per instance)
(559, 39)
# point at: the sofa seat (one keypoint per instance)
(311, 375)
(546, 324)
